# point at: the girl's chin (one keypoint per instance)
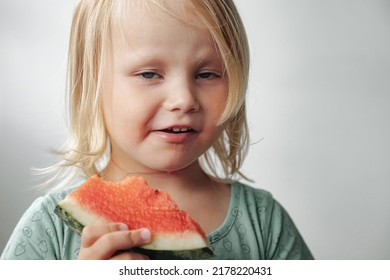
(156, 163)
(176, 167)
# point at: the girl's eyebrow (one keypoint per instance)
(141, 61)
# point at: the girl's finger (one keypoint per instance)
(92, 233)
(108, 244)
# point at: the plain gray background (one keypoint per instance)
(319, 112)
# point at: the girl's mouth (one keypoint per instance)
(177, 130)
(177, 134)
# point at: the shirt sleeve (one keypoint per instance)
(284, 240)
(35, 236)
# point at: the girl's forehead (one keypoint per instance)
(135, 19)
(136, 12)
(134, 9)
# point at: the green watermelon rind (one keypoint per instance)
(196, 254)
(68, 219)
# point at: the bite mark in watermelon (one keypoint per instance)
(175, 235)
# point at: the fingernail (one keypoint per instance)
(123, 227)
(145, 235)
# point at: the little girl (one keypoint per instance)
(158, 87)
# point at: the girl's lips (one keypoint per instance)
(175, 135)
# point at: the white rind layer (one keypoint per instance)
(186, 241)
(161, 241)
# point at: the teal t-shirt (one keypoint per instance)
(256, 227)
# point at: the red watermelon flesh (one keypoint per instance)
(133, 202)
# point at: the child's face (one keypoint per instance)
(164, 93)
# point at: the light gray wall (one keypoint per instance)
(319, 112)
(33, 49)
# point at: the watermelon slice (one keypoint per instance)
(175, 235)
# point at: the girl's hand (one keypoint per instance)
(103, 241)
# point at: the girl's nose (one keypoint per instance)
(182, 97)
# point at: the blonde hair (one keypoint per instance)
(89, 41)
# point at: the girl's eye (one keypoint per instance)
(149, 75)
(207, 75)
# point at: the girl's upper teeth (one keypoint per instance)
(180, 129)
